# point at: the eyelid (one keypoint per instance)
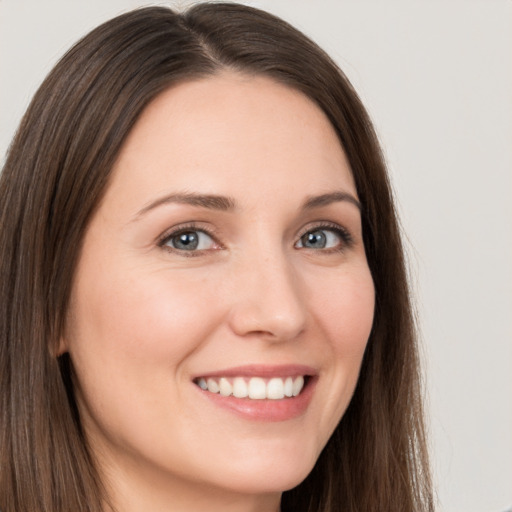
(181, 228)
(341, 231)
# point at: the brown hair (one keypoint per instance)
(56, 171)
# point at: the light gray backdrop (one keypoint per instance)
(437, 79)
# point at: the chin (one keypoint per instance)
(268, 482)
(268, 473)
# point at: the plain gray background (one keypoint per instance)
(436, 77)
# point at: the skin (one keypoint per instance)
(146, 318)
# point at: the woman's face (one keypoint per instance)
(227, 253)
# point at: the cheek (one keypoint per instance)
(151, 315)
(344, 312)
(129, 338)
(345, 309)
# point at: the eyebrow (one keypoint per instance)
(209, 201)
(327, 199)
(225, 203)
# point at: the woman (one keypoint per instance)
(204, 301)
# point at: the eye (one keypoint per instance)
(189, 240)
(324, 237)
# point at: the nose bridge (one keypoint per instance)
(267, 294)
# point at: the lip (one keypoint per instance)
(265, 410)
(260, 370)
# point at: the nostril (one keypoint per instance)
(257, 321)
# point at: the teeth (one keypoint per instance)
(240, 388)
(225, 387)
(298, 384)
(256, 388)
(288, 387)
(275, 389)
(213, 386)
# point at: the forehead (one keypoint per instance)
(232, 131)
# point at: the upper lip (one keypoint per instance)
(261, 370)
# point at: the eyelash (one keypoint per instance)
(185, 228)
(346, 238)
(342, 233)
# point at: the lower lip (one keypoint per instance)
(265, 410)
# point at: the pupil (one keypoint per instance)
(316, 239)
(187, 241)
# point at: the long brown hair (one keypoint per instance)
(56, 171)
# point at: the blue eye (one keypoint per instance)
(324, 238)
(190, 240)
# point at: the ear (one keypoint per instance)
(62, 347)
(58, 348)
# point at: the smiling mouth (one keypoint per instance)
(254, 388)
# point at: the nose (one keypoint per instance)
(267, 299)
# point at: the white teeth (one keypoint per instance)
(275, 389)
(225, 387)
(213, 386)
(298, 384)
(288, 387)
(256, 388)
(240, 388)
